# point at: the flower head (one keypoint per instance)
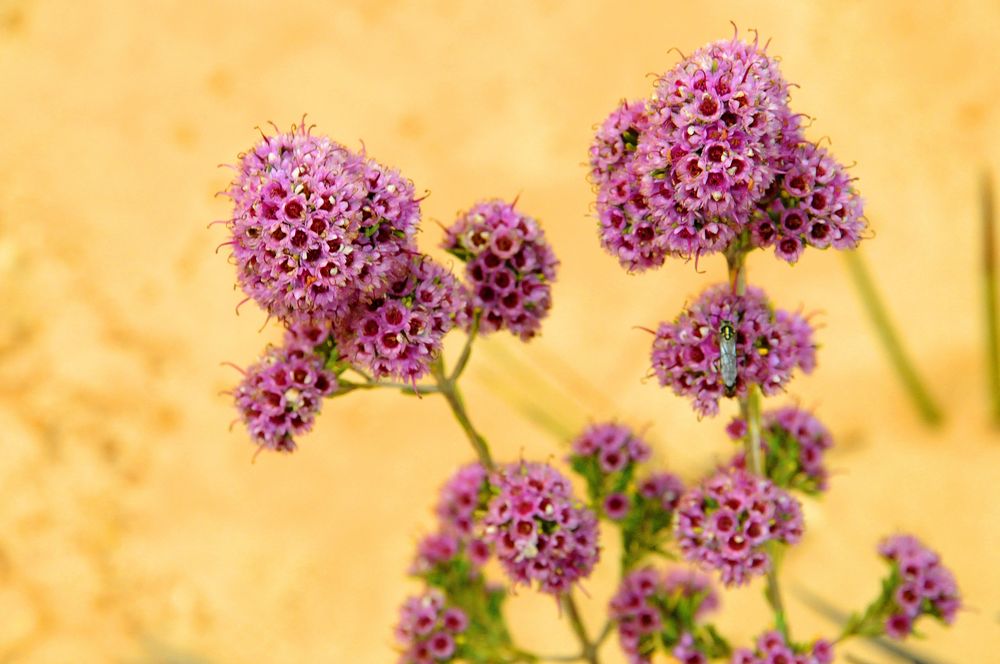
(922, 586)
(814, 204)
(627, 231)
(769, 345)
(712, 144)
(605, 455)
(281, 394)
(428, 630)
(399, 333)
(773, 649)
(648, 603)
(726, 522)
(794, 442)
(316, 225)
(509, 268)
(538, 530)
(460, 497)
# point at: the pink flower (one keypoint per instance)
(814, 204)
(770, 344)
(925, 586)
(280, 395)
(773, 649)
(315, 226)
(725, 522)
(538, 530)
(427, 629)
(509, 268)
(399, 333)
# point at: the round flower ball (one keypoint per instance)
(281, 394)
(399, 333)
(315, 225)
(538, 530)
(794, 443)
(815, 205)
(713, 144)
(614, 446)
(648, 602)
(509, 267)
(725, 523)
(626, 229)
(772, 648)
(925, 586)
(428, 630)
(770, 345)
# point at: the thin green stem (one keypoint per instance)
(347, 386)
(750, 409)
(990, 293)
(589, 653)
(449, 389)
(463, 359)
(900, 361)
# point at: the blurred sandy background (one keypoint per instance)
(133, 526)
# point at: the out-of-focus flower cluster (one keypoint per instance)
(605, 455)
(920, 585)
(794, 442)
(773, 649)
(715, 158)
(769, 345)
(510, 266)
(429, 630)
(539, 531)
(725, 523)
(653, 610)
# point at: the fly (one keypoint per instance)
(727, 356)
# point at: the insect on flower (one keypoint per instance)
(727, 356)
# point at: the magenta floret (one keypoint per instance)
(316, 225)
(509, 268)
(725, 523)
(713, 144)
(428, 629)
(772, 649)
(538, 530)
(399, 333)
(926, 587)
(815, 204)
(280, 395)
(770, 344)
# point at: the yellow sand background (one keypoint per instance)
(133, 526)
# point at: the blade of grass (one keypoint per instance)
(893, 345)
(990, 293)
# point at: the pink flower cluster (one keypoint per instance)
(280, 396)
(926, 587)
(662, 488)
(316, 225)
(815, 205)
(626, 229)
(770, 344)
(647, 600)
(788, 431)
(509, 268)
(614, 446)
(538, 530)
(459, 498)
(400, 332)
(772, 649)
(427, 630)
(714, 152)
(726, 521)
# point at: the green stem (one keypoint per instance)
(890, 339)
(589, 653)
(463, 359)
(750, 409)
(990, 294)
(449, 389)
